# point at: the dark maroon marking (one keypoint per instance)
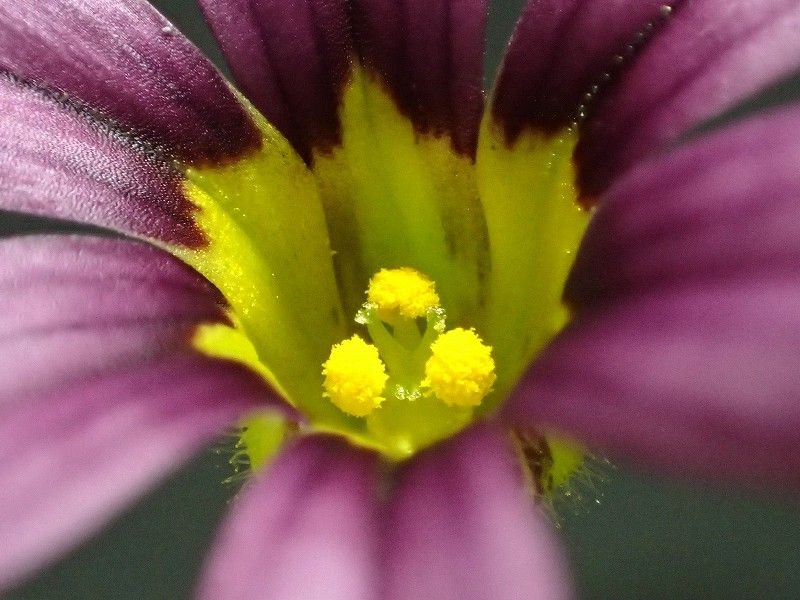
(538, 459)
(713, 55)
(293, 59)
(126, 61)
(63, 159)
(560, 56)
(431, 58)
(721, 207)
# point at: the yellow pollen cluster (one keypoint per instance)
(403, 292)
(460, 371)
(355, 377)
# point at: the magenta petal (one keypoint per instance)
(700, 381)
(652, 71)
(685, 351)
(430, 53)
(73, 458)
(304, 530)
(100, 392)
(125, 61)
(79, 307)
(710, 56)
(725, 206)
(461, 528)
(559, 50)
(292, 58)
(61, 162)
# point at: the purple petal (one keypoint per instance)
(128, 64)
(100, 392)
(293, 59)
(700, 381)
(685, 352)
(430, 53)
(727, 206)
(711, 55)
(76, 457)
(559, 50)
(652, 71)
(305, 530)
(461, 528)
(114, 303)
(62, 162)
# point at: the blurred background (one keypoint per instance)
(631, 536)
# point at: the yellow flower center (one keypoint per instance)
(416, 383)
(291, 249)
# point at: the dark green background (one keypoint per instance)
(636, 536)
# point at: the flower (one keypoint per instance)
(122, 357)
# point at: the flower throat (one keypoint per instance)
(416, 382)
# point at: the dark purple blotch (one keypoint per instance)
(293, 59)
(65, 160)
(128, 62)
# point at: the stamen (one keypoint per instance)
(355, 377)
(401, 294)
(416, 383)
(460, 371)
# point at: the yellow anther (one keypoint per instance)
(402, 292)
(355, 377)
(460, 371)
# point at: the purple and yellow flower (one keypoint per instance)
(410, 303)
